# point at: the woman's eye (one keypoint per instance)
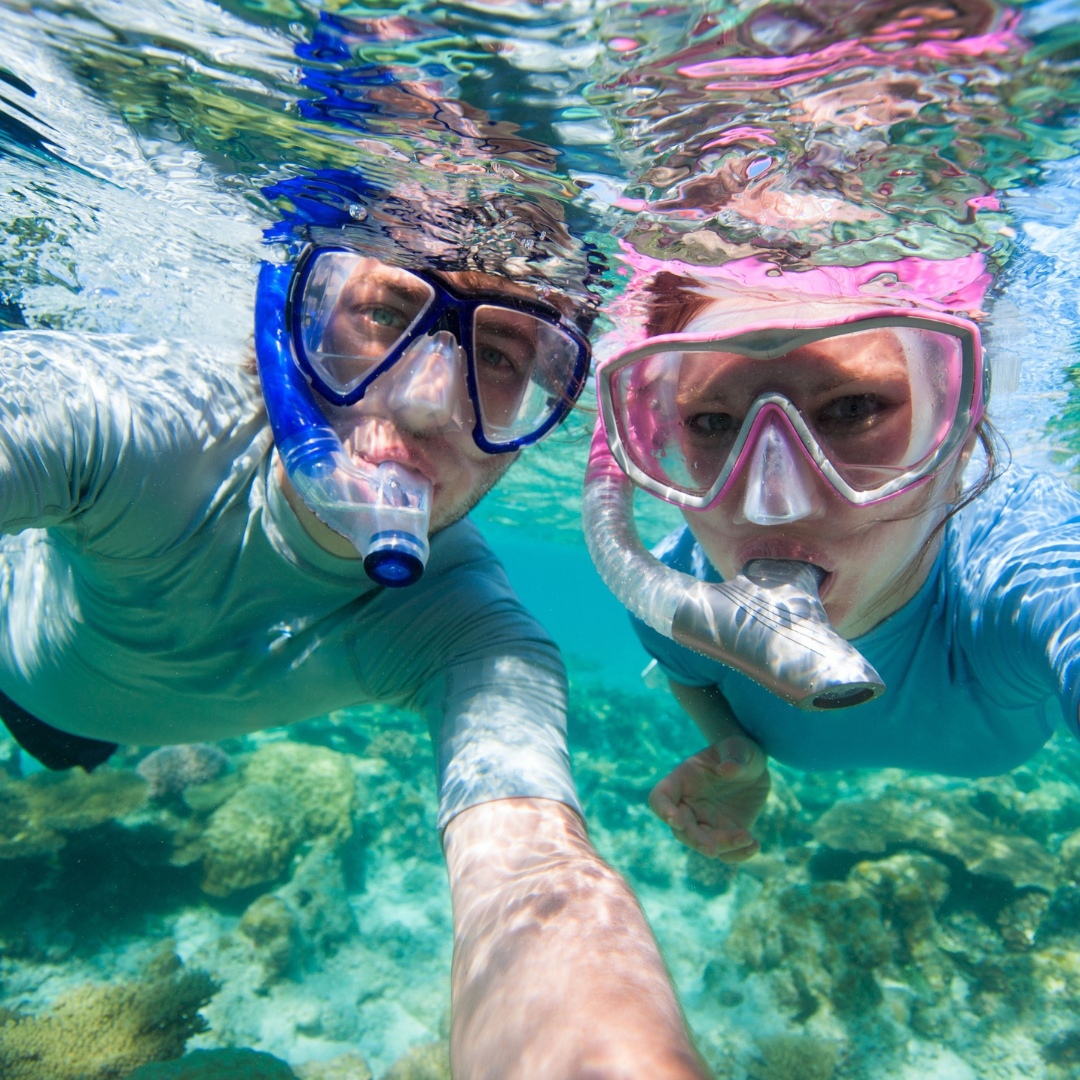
(711, 424)
(853, 413)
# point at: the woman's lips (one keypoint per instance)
(787, 548)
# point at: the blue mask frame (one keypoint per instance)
(447, 310)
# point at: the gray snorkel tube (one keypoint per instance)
(768, 622)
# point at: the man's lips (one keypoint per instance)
(399, 457)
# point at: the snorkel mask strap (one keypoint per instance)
(768, 622)
(382, 510)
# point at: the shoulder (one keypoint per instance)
(1021, 513)
(121, 370)
(461, 548)
(464, 582)
(462, 610)
(680, 551)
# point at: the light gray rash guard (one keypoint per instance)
(156, 586)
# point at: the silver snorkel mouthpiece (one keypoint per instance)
(768, 622)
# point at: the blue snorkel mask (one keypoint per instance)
(405, 345)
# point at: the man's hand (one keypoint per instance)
(712, 799)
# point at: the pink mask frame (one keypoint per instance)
(775, 339)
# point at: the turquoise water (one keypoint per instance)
(132, 201)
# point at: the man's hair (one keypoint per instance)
(454, 228)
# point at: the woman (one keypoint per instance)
(816, 427)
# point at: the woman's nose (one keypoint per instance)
(427, 387)
(780, 485)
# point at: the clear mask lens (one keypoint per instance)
(878, 402)
(524, 368)
(354, 312)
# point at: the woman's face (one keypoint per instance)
(855, 393)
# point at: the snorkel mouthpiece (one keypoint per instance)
(768, 622)
(383, 510)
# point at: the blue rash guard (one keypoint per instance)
(980, 665)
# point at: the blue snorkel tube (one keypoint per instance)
(382, 510)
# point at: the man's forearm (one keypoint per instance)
(556, 973)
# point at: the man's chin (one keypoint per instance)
(442, 517)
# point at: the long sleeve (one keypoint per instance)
(1017, 614)
(86, 423)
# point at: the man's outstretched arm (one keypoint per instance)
(556, 973)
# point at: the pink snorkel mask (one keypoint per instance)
(866, 381)
(872, 404)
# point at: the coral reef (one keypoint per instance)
(250, 839)
(103, 1032)
(289, 792)
(169, 770)
(351, 1066)
(795, 1057)
(218, 1065)
(915, 815)
(38, 813)
(430, 1061)
(893, 925)
(307, 918)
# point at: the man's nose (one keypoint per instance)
(427, 384)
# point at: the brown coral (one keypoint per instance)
(428, 1061)
(934, 822)
(351, 1066)
(103, 1032)
(35, 814)
(250, 839)
(795, 1057)
(290, 792)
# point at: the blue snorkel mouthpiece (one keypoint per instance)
(383, 510)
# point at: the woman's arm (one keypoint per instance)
(556, 973)
(711, 801)
(709, 709)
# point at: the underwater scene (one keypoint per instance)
(276, 904)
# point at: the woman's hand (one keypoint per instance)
(712, 799)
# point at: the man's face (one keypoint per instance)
(419, 413)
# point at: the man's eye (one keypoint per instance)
(710, 424)
(384, 316)
(494, 358)
(853, 413)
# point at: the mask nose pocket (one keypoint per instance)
(426, 385)
(778, 489)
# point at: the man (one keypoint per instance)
(168, 576)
